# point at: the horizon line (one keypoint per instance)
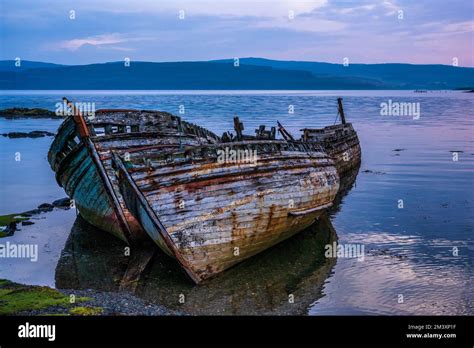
(231, 59)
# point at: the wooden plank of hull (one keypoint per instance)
(231, 217)
(95, 207)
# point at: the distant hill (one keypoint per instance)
(9, 65)
(400, 76)
(253, 73)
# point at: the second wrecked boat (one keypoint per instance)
(340, 141)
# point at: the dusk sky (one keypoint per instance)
(430, 32)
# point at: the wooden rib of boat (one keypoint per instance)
(211, 213)
(81, 157)
(339, 141)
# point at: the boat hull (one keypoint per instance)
(211, 216)
(340, 142)
(83, 163)
(347, 157)
(77, 173)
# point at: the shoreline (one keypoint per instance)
(33, 300)
(48, 231)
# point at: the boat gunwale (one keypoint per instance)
(306, 148)
(153, 135)
(331, 127)
(205, 133)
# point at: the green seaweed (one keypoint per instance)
(16, 298)
(7, 219)
(86, 311)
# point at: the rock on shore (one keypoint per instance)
(33, 134)
(14, 113)
(8, 223)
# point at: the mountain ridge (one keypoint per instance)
(252, 73)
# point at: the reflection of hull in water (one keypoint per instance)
(346, 183)
(261, 285)
(90, 259)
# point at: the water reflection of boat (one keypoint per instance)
(284, 279)
(347, 181)
(260, 285)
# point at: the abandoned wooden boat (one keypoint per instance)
(213, 206)
(339, 141)
(81, 157)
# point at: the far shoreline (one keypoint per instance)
(329, 92)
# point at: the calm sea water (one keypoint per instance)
(418, 259)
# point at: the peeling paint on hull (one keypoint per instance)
(211, 215)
